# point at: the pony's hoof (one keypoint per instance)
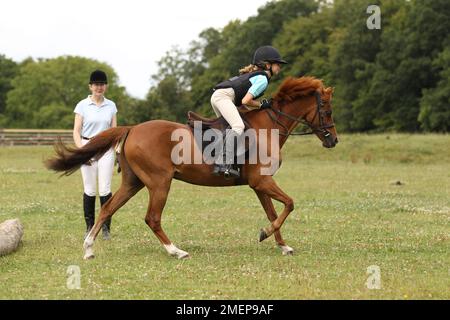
(175, 252)
(287, 251)
(183, 255)
(180, 254)
(89, 256)
(262, 235)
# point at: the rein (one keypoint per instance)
(322, 128)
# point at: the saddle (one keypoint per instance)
(207, 123)
(211, 123)
(219, 124)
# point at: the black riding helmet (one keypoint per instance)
(98, 76)
(267, 54)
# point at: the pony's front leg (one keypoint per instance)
(267, 204)
(267, 185)
(176, 252)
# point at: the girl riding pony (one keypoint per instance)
(243, 90)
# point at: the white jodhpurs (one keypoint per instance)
(222, 102)
(101, 169)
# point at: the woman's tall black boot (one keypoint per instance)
(89, 212)
(106, 228)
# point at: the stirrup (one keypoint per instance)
(227, 171)
(230, 173)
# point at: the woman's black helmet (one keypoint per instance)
(98, 76)
(267, 53)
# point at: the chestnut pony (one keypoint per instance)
(145, 159)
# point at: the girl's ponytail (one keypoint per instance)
(248, 69)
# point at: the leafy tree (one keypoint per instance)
(353, 52)
(238, 42)
(8, 70)
(132, 111)
(57, 84)
(306, 51)
(53, 116)
(435, 103)
(168, 100)
(395, 78)
(404, 66)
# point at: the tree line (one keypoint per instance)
(393, 78)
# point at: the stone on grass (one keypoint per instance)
(11, 232)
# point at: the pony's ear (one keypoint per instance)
(327, 93)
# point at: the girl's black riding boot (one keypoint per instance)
(89, 212)
(229, 154)
(107, 225)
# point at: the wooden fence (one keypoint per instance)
(33, 137)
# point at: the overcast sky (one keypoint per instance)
(131, 35)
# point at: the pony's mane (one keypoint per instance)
(294, 88)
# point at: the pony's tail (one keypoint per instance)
(69, 159)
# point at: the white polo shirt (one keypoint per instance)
(95, 118)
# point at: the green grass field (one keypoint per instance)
(349, 214)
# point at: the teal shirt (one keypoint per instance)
(259, 85)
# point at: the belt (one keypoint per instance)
(85, 138)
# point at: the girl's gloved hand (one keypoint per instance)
(265, 104)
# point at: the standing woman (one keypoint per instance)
(92, 116)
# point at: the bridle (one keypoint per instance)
(322, 128)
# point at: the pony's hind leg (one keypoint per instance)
(267, 204)
(158, 198)
(129, 187)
